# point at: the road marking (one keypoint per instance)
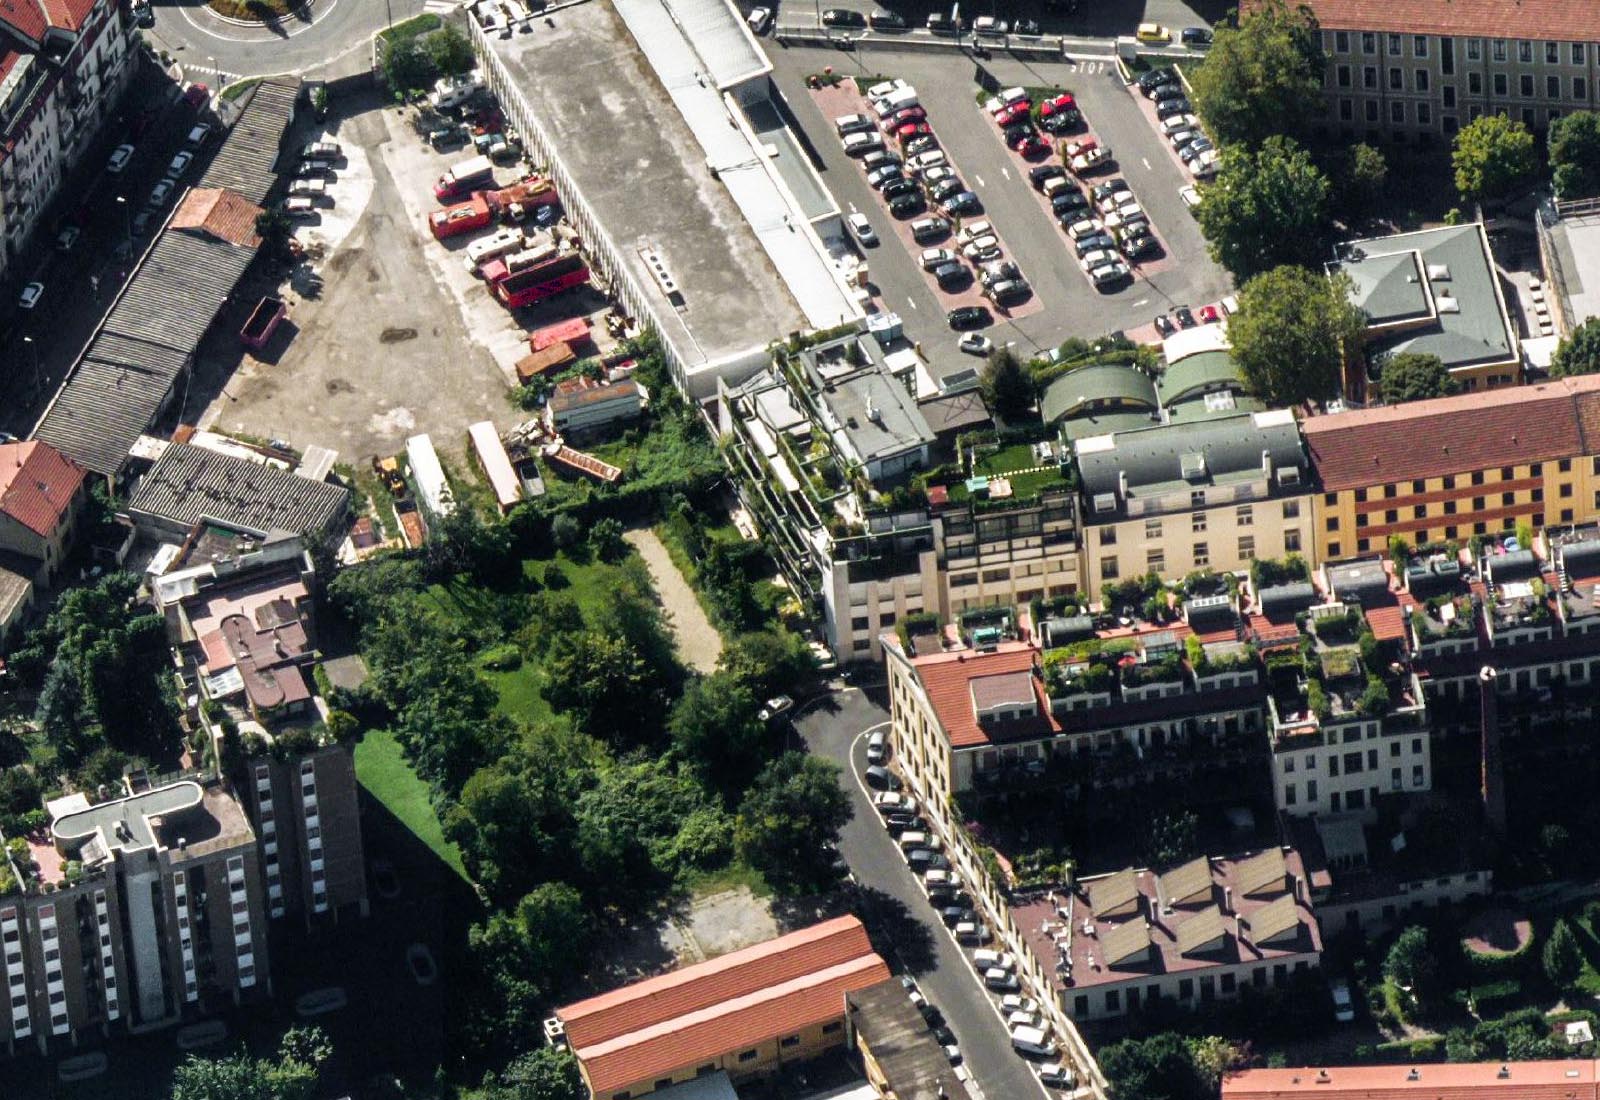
(970, 968)
(913, 302)
(1006, 172)
(1146, 163)
(1141, 302)
(979, 180)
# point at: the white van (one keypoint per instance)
(494, 245)
(971, 231)
(897, 100)
(887, 87)
(1032, 1040)
(913, 839)
(986, 959)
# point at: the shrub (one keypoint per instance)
(503, 658)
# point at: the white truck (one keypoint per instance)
(495, 244)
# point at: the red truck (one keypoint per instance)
(461, 218)
(263, 322)
(541, 281)
(513, 203)
(471, 174)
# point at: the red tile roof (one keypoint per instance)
(1550, 1080)
(947, 677)
(639, 1032)
(37, 484)
(26, 17)
(1451, 435)
(1563, 20)
(68, 14)
(224, 215)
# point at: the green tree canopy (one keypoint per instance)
(770, 662)
(1562, 958)
(543, 1074)
(1415, 376)
(1263, 78)
(1575, 154)
(1578, 352)
(1411, 963)
(1362, 178)
(1267, 206)
(1290, 334)
(789, 822)
(407, 68)
(603, 681)
(716, 728)
(291, 1075)
(1493, 155)
(1161, 1067)
(450, 51)
(1005, 385)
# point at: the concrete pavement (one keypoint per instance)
(834, 728)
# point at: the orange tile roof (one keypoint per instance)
(737, 1024)
(947, 678)
(1548, 1080)
(1450, 435)
(221, 213)
(37, 484)
(1564, 20)
(701, 1011)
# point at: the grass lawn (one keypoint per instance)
(382, 769)
(1004, 463)
(255, 10)
(737, 873)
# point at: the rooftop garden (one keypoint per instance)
(1267, 572)
(1530, 610)
(1057, 607)
(1011, 456)
(1065, 677)
(1168, 670)
(1145, 596)
(1447, 616)
(1218, 659)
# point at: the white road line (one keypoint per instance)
(979, 180)
(1146, 162)
(1141, 302)
(913, 302)
(970, 969)
(1006, 172)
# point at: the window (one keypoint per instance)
(1333, 767)
(1424, 114)
(1449, 91)
(1474, 49)
(1394, 779)
(1419, 511)
(1552, 54)
(663, 1083)
(1497, 49)
(1229, 984)
(1525, 85)
(1416, 775)
(1108, 569)
(1475, 83)
(1197, 498)
(1396, 81)
(1477, 477)
(1347, 110)
(747, 1056)
(1369, 42)
(1288, 765)
(1113, 1000)
(1311, 790)
(1202, 555)
(1419, 486)
(1108, 536)
(706, 1070)
(789, 1041)
(1334, 549)
(1577, 53)
(1566, 515)
(1352, 763)
(1369, 76)
(1501, 85)
(1372, 110)
(1389, 491)
(1564, 490)
(1580, 88)
(1245, 516)
(832, 1028)
(1247, 547)
(1330, 499)
(1564, 466)
(1421, 76)
(1552, 87)
(1419, 45)
(1525, 51)
(1291, 542)
(1288, 794)
(1508, 498)
(1197, 522)
(1394, 45)
(1361, 496)
(1185, 989)
(1447, 56)
(1363, 545)
(1152, 528)
(1291, 509)
(1479, 503)
(1397, 111)
(1392, 515)
(859, 622)
(1344, 76)
(1333, 522)
(1341, 41)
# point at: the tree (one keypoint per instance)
(716, 728)
(789, 822)
(1362, 180)
(602, 681)
(1578, 352)
(1563, 960)
(543, 1074)
(1005, 385)
(1575, 154)
(1492, 156)
(769, 662)
(1411, 964)
(407, 68)
(1267, 206)
(1414, 376)
(1161, 1067)
(1170, 838)
(292, 1075)
(1262, 78)
(450, 51)
(1291, 334)
(606, 541)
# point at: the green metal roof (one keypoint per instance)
(1197, 374)
(1097, 386)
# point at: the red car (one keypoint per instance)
(912, 130)
(1017, 112)
(901, 117)
(1062, 102)
(1209, 315)
(1033, 146)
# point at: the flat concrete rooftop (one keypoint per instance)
(644, 174)
(790, 160)
(1577, 244)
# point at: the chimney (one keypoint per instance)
(1122, 484)
(1493, 792)
(1266, 462)
(1227, 899)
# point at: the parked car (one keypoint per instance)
(1095, 242)
(1056, 1075)
(160, 193)
(995, 978)
(29, 298)
(929, 229)
(1190, 196)
(1032, 146)
(907, 206)
(880, 176)
(945, 189)
(843, 17)
(1141, 243)
(975, 343)
(902, 822)
(1152, 78)
(179, 164)
(1344, 1009)
(1165, 91)
(878, 158)
(923, 161)
(1015, 1002)
(1097, 258)
(878, 743)
(907, 132)
(901, 117)
(1037, 176)
(759, 20)
(120, 156)
(67, 238)
(990, 26)
(891, 802)
(1164, 325)
(882, 778)
(938, 174)
(1028, 28)
(1209, 315)
(1184, 316)
(965, 317)
(933, 257)
(971, 931)
(1172, 125)
(922, 860)
(886, 21)
(1069, 204)
(898, 187)
(1013, 114)
(1085, 227)
(859, 144)
(1198, 37)
(1114, 272)
(953, 915)
(854, 124)
(1166, 108)
(963, 204)
(921, 144)
(939, 23)
(975, 249)
(952, 276)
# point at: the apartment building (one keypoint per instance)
(131, 913)
(831, 455)
(1454, 467)
(63, 67)
(308, 817)
(1433, 292)
(747, 1013)
(1418, 72)
(1174, 498)
(1190, 935)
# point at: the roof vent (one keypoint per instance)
(1413, 1076)
(1439, 272)
(1193, 466)
(1220, 401)
(1505, 1072)
(1448, 304)
(1105, 502)
(658, 270)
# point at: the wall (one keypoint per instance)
(1295, 769)
(769, 1056)
(1096, 1002)
(1375, 915)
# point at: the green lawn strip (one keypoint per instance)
(737, 873)
(411, 28)
(382, 769)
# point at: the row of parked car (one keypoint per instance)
(1177, 122)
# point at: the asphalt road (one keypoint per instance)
(946, 87)
(1092, 19)
(336, 30)
(833, 729)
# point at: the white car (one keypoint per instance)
(1344, 1009)
(1016, 1003)
(976, 343)
(1190, 196)
(878, 91)
(198, 135)
(1172, 125)
(1114, 200)
(924, 161)
(1182, 138)
(1088, 227)
(159, 193)
(877, 748)
(933, 257)
(860, 144)
(179, 164)
(69, 237)
(995, 978)
(938, 174)
(1110, 273)
(1022, 1019)
(1056, 1075)
(31, 295)
(759, 19)
(854, 124)
(865, 234)
(1098, 258)
(893, 802)
(980, 245)
(973, 230)
(120, 156)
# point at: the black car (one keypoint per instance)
(946, 189)
(907, 206)
(843, 17)
(1037, 176)
(1196, 36)
(953, 915)
(1166, 108)
(1069, 204)
(1139, 244)
(908, 983)
(965, 317)
(1164, 325)
(938, 23)
(1185, 317)
(1028, 28)
(1193, 149)
(886, 21)
(944, 895)
(895, 188)
(944, 1035)
(952, 276)
(1165, 91)
(931, 1014)
(963, 204)
(1155, 78)
(1016, 135)
(1060, 122)
(1094, 242)
(899, 823)
(882, 778)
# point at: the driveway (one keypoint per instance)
(697, 641)
(835, 728)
